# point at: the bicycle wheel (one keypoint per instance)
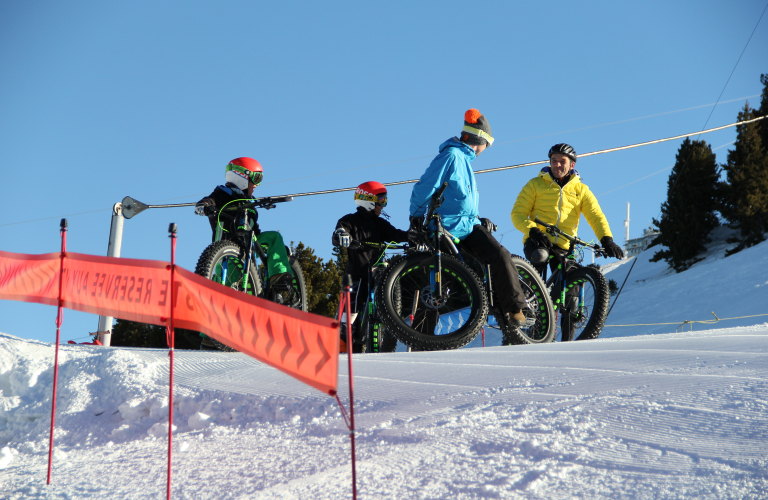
(383, 340)
(222, 262)
(377, 337)
(410, 310)
(295, 295)
(589, 289)
(540, 325)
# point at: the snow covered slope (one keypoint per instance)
(629, 416)
(663, 416)
(731, 288)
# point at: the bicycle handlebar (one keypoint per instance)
(436, 200)
(440, 191)
(554, 230)
(354, 244)
(266, 203)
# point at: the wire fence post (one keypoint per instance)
(171, 338)
(59, 320)
(345, 307)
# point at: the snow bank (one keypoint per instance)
(669, 415)
(118, 395)
(662, 416)
(730, 287)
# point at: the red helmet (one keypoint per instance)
(241, 170)
(371, 193)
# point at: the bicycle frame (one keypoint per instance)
(559, 278)
(369, 309)
(267, 203)
(439, 236)
(561, 273)
(442, 235)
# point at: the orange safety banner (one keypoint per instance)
(303, 345)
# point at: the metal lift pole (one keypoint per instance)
(115, 243)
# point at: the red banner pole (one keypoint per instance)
(171, 341)
(347, 286)
(59, 320)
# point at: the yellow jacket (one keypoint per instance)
(562, 207)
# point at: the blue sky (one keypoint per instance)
(102, 100)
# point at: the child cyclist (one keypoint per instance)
(242, 175)
(364, 225)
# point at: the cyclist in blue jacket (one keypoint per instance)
(460, 210)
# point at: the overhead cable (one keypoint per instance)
(498, 169)
(690, 153)
(510, 167)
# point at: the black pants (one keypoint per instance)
(531, 246)
(568, 310)
(358, 297)
(506, 280)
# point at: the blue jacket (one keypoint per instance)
(461, 206)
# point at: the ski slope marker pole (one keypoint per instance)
(171, 339)
(345, 308)
(59, 320)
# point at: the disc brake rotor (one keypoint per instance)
(428, 298)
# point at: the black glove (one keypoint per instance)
(417, 224)
(611, 248)
(341, 237)
(204, 207)
(415, 231)
(490, 226)
(539, 238)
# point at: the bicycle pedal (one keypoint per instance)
(281, 283)
(529, 322)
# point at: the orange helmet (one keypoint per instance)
(241, 170)
(371, 193)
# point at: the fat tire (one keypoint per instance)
(597, 312)
(383, 340)
(391, 297)
(299, 282)
(206, 267)
(540, 309)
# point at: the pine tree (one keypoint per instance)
(745, 195)
(688, 215)
(132, 334)
(763, 111)
(323, 280)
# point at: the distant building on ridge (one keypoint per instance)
(637, 245)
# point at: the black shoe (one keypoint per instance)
(358, 348)
(281, 282)
(207, 345)
(515, 320)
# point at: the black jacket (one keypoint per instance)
(366, 226)
(220, 197)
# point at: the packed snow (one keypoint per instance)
(643, 412)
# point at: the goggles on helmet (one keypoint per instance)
(254, 177)
(382, 200)
(257, 177)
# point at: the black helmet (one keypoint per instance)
(563, 149)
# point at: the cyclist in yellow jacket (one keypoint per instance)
(557, 196)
